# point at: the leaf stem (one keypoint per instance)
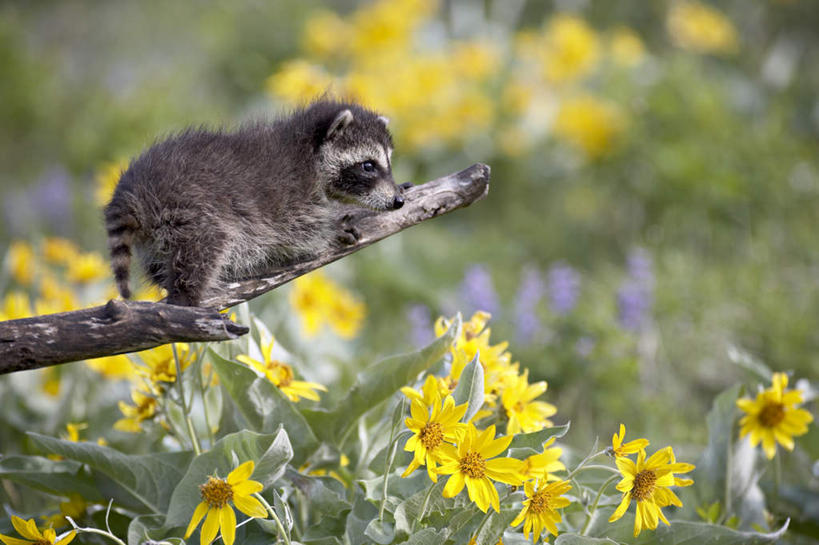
(275, 517)
(399, 410)
(594, 504)
(105, 533)
(424, 504)
(185, 408)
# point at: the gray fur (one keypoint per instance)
(208, 206)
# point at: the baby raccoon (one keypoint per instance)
(203, 207)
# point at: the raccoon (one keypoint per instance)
(205, 207)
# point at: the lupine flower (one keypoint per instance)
(477, 290)
(646, 482)
(217, 495)
(472, 463)
(33, 536)
(773, 417)
(563, 288)
(420, 322)
(619, 449)
(281, 375)
(529, 294)
(540, 507)
(636, 295)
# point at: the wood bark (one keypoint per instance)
(128, 326)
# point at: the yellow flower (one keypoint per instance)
(384, 28)
(299, 81)
(541, 466)
(773, 417)
(475, 60)
(149, 293)
(51, 381)
(571, 49)
(217, 495)
(281, 375)
(21, 262)
(28, 529)
(114, 367)
(472, 463)
(619, 449)
(160, 365)
(540, 507)
(432, 429)
(15, 305)
(590, 124)
(626, 47)
(345, 314)
(144, 408)
(646, 482)
(87, 267)
(75, 508)
(526, 415)
(701, 28)
(326, 35)
(59, 251)
(106, 178)
(317, 300)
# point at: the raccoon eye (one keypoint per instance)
(367, 166)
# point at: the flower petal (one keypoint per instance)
(210, 528)
(250, 506)
(67, 539)
(198, 513)
(26, 528)
(227, 521)
(8, 540)
(621, 509)
(454, 485)
(241, 473)
(246, 488)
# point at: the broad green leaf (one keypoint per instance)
(376, 384)
(494, 527)
(359, 518)
(147, 478)
(326, 496)
(536, 439)
(688, 533)
(409, 510)
(380, 531)
(269, 452)
(427, 536)
(264, 406)
(470, 388)
(60, 478)
(574, 539)
(146, 528)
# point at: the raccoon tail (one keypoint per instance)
(121, 225)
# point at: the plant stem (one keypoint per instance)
(201, 382)
(191, 431)
(487, 515)
(729, 471)
(583, 463)
(109, 535)
(424, 505)
(388, 464)
(594, 504)
(275, 517)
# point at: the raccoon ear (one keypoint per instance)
(384, 120)
(344, 118)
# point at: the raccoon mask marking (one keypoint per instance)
(204, 207)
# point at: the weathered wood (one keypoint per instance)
(120, 327)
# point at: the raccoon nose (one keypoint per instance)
(398, 202)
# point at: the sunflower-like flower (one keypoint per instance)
(525, 414)
(281, 375)
(33, 536)
(473, 464)
(646, 482)
(433, 425)
(540, 507)
(772, 417)
(144, 408)
(541, 466)
(160, 364)
(619, 449)
(217, 495)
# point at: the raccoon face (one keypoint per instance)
(356, 159)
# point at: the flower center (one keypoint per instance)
(518, 408)
(540, 502)
(431, 435)
(281, 373)
(772, 415)
(643, 485)
(42, 542)
(216, 492)
(473, 465)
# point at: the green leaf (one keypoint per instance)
(60, 478)
(144, 529)
(376, 384)
(264, 406)
(470, 388)
(536, 439)
(494, 527)
(147, 478)
(574, 539)
(427, 536)
(688, 533)
(380, 531)
(269, 452)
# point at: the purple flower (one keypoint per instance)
(420, 321)
(529, 294)
(564, 288)
(477, 291)
(635, 297)
(51, 198)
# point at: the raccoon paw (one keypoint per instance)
(349, 234)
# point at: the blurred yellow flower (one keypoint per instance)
(646, 482)
(51, 381)
(75, 508)
(619, 449)
(475, 60)
(701, 28)
(540, 507)
(281, 375)
(626, 47)
(144, 408)
(150, 292)
(59, 251)
(217, 495)
(525, 414)
(346, 314)
(16, 305)
(319, 300)
(88, 267)
(384, 28)
(113, 367)
(571, 49)
(106, 178)
(299, 81)
(54, 297)
(590, 124)
(542, 466)
(772, 417)
(21, 262)
(28, 529)
(160, 365)
(326, 35)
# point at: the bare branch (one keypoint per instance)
(120, 327)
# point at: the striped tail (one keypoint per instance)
(121, 226)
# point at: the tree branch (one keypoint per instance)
(129, 326)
